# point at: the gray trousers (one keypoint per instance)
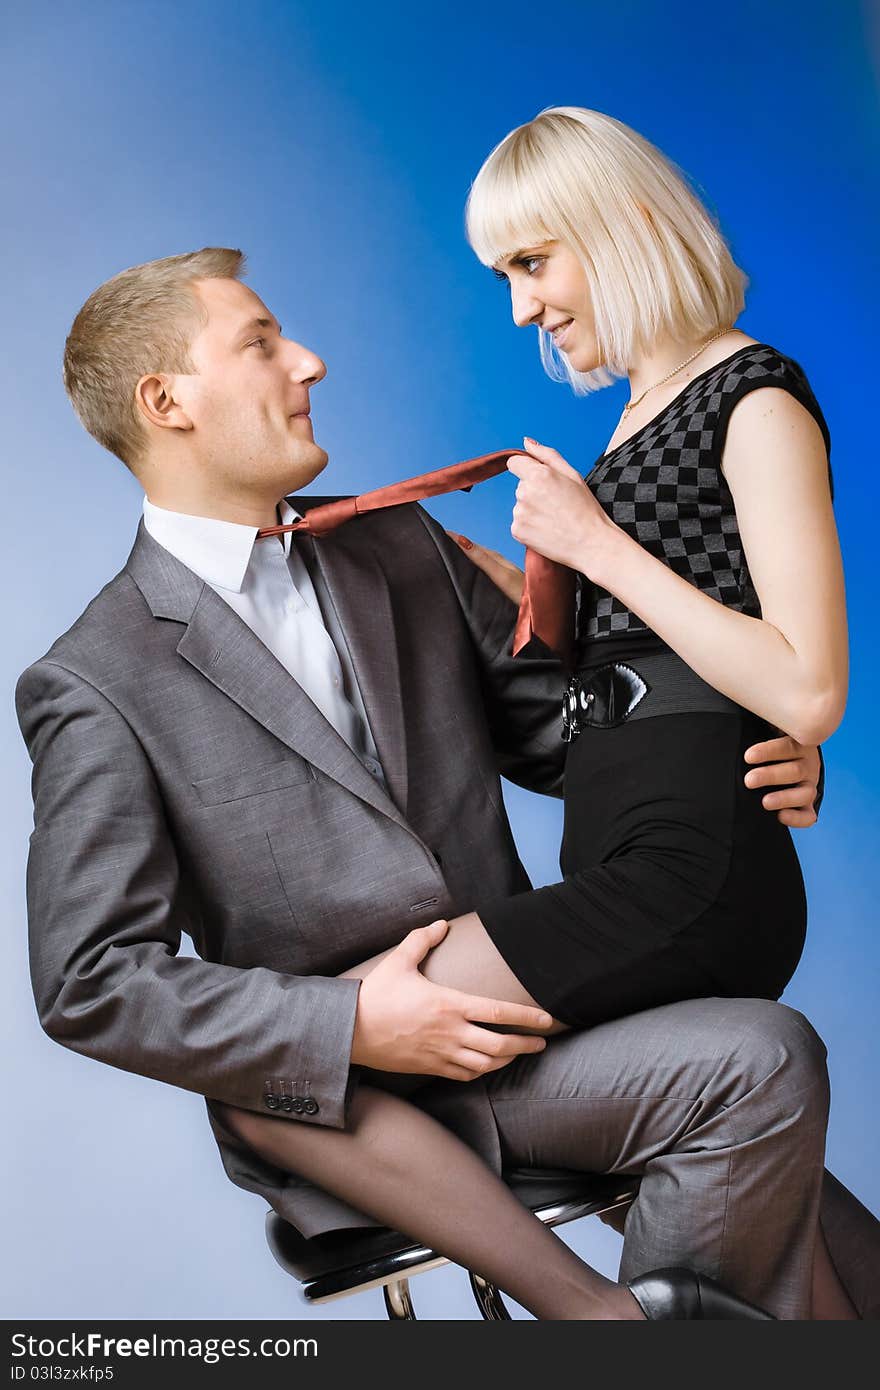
(720, 1105)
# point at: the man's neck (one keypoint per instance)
(241, 512)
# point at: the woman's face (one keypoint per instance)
(548, 287)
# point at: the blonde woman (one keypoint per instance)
(711, 613)
(711, 604)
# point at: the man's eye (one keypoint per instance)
(258, 342)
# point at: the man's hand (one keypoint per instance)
(405, 1023)
(794, 771)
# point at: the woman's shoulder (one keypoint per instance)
(758, 365)
(755, 362)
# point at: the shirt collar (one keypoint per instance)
(217, 551)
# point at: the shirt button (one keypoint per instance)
(336, 680)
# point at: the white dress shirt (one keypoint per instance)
(270, 588)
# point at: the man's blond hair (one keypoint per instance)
(141, 321)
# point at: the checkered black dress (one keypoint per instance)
(664, 486)
(677, 883)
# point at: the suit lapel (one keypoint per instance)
(358, 588)
(219, 644)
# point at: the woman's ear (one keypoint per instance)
(154, 397)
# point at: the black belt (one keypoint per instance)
(606, 696)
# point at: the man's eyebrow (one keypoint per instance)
(257, 323)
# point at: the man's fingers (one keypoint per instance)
(775, 774)
(501, 1044)
(773, 750)
(798, 820)
(500, 1011)
(792, 798)
(453, 1072)
(477, 1063)
(417, 943)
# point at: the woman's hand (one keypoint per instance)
(507, 576)
(555, 512)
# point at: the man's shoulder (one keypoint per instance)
(86, 646)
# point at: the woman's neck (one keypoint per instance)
(666, 354)
(654, 366)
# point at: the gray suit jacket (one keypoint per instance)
(183, 782)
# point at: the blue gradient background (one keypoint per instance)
(336, 145)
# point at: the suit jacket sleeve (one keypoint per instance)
(106, 911)
(523, 695)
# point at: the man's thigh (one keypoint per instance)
(612, 1098)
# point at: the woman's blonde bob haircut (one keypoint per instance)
(655, 259)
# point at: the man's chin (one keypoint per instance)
(306, 469)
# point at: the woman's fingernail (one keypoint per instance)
(465, 543)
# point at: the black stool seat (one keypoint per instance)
(343, 1262)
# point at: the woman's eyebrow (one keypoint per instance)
(514, 258)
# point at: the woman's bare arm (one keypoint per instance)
(789, 666)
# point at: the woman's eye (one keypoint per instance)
(258, 342)
(527, 263)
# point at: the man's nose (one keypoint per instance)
(305, 366)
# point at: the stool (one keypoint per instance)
(343, 1262)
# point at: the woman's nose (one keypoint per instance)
(524, 305)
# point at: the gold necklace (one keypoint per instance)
(631, 405)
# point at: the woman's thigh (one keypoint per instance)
(467, 959)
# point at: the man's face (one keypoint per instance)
(249, 399)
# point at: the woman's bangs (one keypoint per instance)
(505, 213)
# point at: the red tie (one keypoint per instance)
(547, 607)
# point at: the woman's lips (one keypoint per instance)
(560, 334)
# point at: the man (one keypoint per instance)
(291, 753)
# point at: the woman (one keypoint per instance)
(711, 582)
(677, 883)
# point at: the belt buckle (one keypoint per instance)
(576, 701)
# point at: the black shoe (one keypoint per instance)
(680, 1293)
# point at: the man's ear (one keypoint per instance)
(155, 399)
